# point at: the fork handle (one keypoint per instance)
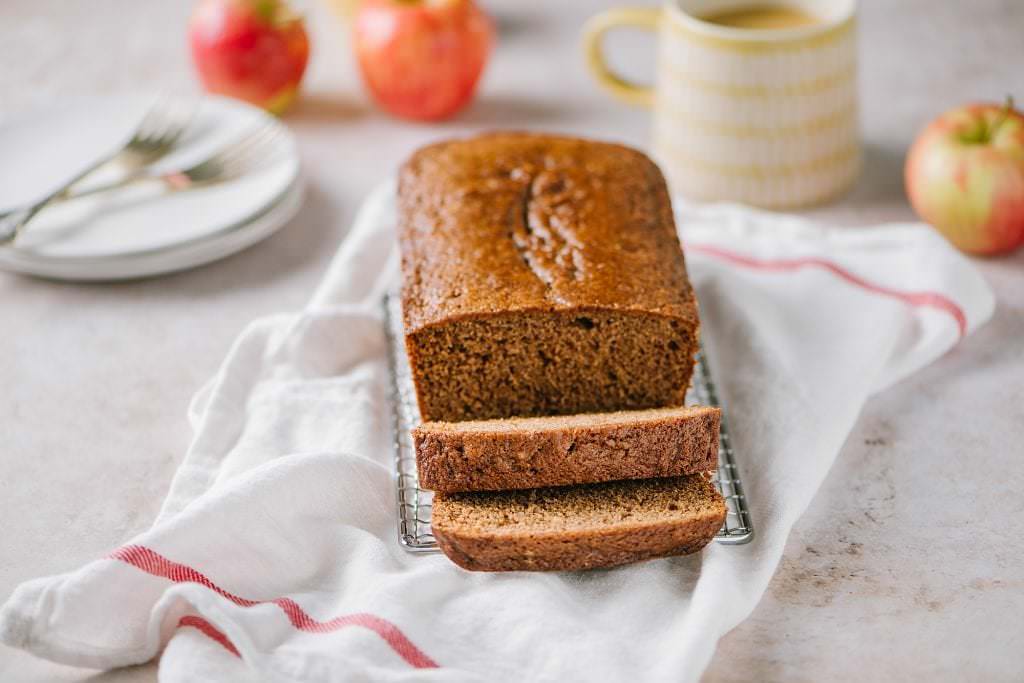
(123, 181)
(173, 181)
(13, 223)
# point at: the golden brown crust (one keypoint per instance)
(595, 551)
(559, 451)
(517, 221)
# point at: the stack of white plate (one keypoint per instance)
(140, 230)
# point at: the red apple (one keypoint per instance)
(965, 176)
(253, 50)
(422, 59)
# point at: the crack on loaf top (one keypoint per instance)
(545, 234)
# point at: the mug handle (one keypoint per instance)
(593, 36)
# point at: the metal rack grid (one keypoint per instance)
(414, 503)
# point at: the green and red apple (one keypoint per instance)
(965, 176)
(252, 50)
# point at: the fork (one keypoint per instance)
(156, 134)
(249, 152)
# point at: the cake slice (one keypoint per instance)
(521, 453)
(578, 527)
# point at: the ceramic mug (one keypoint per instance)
(766, 117)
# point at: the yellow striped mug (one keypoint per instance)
(764, 116)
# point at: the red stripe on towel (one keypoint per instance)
(925, 299)
(210, 631)
(153, 563)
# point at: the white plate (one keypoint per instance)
(138, 231)
(171, 259)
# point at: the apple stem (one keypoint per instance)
(1003, 115)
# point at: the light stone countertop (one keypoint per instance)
(907, 566)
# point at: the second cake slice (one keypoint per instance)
(520, 453)
(578, 527)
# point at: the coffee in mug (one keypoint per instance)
(761, 17)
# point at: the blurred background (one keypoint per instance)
(114, 365)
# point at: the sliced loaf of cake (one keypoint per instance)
(578, 527)
(520, 453)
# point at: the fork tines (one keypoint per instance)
(164, 122)
(250, 152)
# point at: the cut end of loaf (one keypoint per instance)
(578, 527)
(551, 363)
(586, 421)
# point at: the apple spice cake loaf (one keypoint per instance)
(541, 275)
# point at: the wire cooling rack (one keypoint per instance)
(414, 503)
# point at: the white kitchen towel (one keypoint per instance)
(275, 556)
